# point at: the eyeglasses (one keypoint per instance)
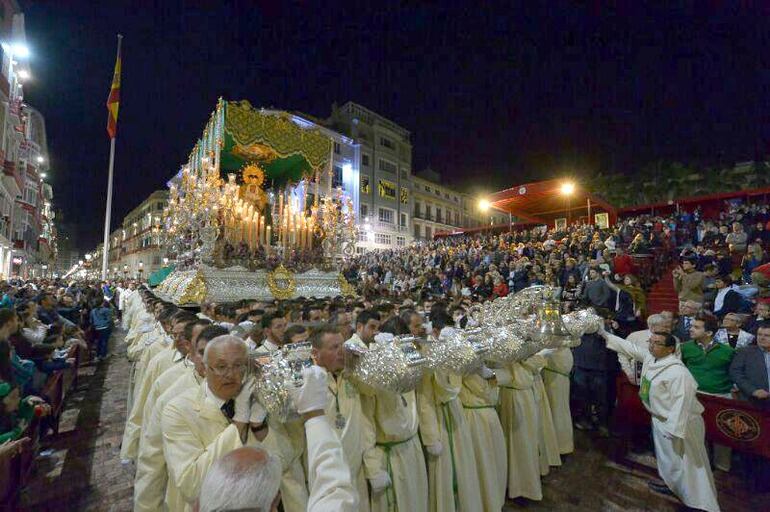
(221, 371)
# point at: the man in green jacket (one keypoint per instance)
(709, 363)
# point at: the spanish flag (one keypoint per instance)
(113, 101)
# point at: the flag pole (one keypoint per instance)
(108, 212)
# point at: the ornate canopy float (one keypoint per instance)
(253, 213)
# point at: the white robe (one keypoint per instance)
(677, 426)
(479, 398)
(453, 480)
(519, 418)
(548, 445)
(556, 378)
(150, 482)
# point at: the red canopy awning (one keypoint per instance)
(543, 201)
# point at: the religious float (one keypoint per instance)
(253, 214)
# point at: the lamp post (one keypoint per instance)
(567, 189)
(125, 271)
(141, 269)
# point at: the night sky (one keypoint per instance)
(507, 95)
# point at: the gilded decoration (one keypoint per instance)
(195, 292)
(249, 127)
(346, 289)
(282, 283)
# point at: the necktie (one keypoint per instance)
(228, 409)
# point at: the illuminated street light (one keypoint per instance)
(24, 74)
(20, 50)
(40, 159)
(80, 263)
(484, 205)
(43, 175)
(567, 188)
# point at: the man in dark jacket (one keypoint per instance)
(593, 369)
(750, 369)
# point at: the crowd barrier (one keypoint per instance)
(16, 469)
(734, 423)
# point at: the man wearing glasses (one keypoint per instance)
(206, 422)
(667, 390)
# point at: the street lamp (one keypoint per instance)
(567, 189)
(40, 159)
(80, 263)
(165, 262)
(484, 205)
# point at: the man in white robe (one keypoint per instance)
(453, 481)
(202, 424)
(395, 467)
(344, 407)
(174, 354)
(556, 379)
(668, 391)
(479, 397)
(150, 481)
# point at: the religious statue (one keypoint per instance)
(251, 191)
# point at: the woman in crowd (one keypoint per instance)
(16, 412)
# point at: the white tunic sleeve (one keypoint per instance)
(329, 476)
(626, 347)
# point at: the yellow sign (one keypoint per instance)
(365, 185)
(404, 195)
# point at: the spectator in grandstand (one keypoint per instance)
(731, 333)
(687, 312)
(760, 317)
(750, 369)
(737, 238)
(709, 363)
(47, 311)
(728, 298)
(753, 258)
(596, 293)
(688, 282)
(16, 412)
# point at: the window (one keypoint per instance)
(387, 189)
(30, 195)
(417, 230)
(417, 208)
(337, 177)
(446, 195)
(400, 241)
(438, 192)
(402, 220)
(438, 215)
(427, 188)
(365, 184)
(386, 215)
(156, 260)
(386, 142)
(456, 199)
(388, 166)
(364, 210)
(457, 218)
(404, 174)
(336, 148)
(382, 238)
(159, 206)
(363, 237)
(428, 232)
(365, 160)
(428, 211)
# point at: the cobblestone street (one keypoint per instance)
(84, 472)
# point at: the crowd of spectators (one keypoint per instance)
(46, 327)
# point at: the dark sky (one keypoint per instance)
(506, 94)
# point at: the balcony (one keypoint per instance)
(12, 178)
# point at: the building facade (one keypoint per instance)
(27, 231)
(385, 187)
(135, 249)
(441, 209)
